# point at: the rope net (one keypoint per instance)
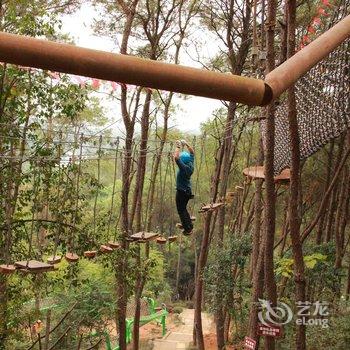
(145, 308)
(323, 103)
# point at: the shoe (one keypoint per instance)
(185, 233)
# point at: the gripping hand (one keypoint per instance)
(178, 144)
(184, 143)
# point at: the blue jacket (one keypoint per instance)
(183, 177)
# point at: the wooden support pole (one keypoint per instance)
(44, 54)
(285, 75)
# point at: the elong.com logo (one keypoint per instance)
(309, 314)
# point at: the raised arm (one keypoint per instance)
(189, 147)
(177, 150)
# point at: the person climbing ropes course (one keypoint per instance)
(185, 163)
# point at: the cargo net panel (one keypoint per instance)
(131, 307)
(323, 103)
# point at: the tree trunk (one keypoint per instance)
(294, 213)
(202, 260)
(347, 292)
(121, 261)
(3, 311)
(258, 263)
(225, 171)
(141, 165)
(339, 217)
(270, 211)
(320, 227)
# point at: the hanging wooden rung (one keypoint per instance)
(172, 238)
(144, 236)
(210, 207)
(179, 225)
(161, 240)
(283, 176)
(7, 269)
(54, 259)
(114, 245)
(90, 254)
(71, 257)
(255, 172)
(34, 266)
(193, 218)
(106, 249)
(258, 172)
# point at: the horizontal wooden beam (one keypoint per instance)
(31, 52)
(43, 54)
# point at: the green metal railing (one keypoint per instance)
(154, 315)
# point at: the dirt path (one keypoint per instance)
(181, 336)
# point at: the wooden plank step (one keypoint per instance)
(90, 254)
(71, 257)
(106, 248)
(144, 236)
(161, 240)
(114, 245)
(34, 266)
(54, 259)
(210, 207)
(258, 172)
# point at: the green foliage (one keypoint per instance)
(220, 281)
(336, 336)
(311, 260)
(284, 266)
(156, 285)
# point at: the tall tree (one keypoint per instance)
(294, 212)
(270, 204)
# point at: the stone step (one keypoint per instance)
(170, 345)
(176, 336)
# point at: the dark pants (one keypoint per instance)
(182, 199)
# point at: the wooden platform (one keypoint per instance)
(210, 207)
(258, 172)
(34, 266)
(144, 236)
